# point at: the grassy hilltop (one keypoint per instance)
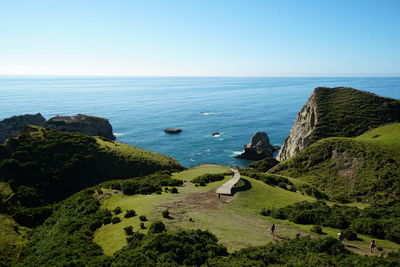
(348, 112)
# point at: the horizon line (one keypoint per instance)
(195, 76)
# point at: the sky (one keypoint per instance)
(200, 37)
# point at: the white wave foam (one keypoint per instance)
(208, 113)
(118, 134)
(235, 153)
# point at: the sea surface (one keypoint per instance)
(140, 108)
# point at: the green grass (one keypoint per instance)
(347, 112)
(5, 191)
(128, 152)
(13, 238)
(235, 221)
(351, 169)
(192, 173)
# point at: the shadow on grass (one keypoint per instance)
(244, 186)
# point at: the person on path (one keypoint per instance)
(372, 246)
(273, 230)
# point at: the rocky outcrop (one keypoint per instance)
(12, 126)
(301, 131)
(258, 148)
(90, 125)
(338, 112)
(173, 130)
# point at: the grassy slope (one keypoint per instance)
(361, 168)
(235, 221)
(347, 112)
(13, 238)
(72, 162)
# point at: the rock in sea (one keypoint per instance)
(173, 130)
(258, 148)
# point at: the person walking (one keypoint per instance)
(273, 230)
(372, 246)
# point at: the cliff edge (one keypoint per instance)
(12, 126)
(90, 125)
(338, 112)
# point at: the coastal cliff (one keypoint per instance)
(301, 132)
(12, 126)
(338, 112)
(90, 125)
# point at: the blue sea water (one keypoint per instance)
(140, 108)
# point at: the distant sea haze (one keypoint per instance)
(140, 108)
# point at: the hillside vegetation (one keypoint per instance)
(40, 167)
(347, 112)
(365, 168)
(82, 230)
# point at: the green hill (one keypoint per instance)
(347, 112)
(338, 112)
(365, 168)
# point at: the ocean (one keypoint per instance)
(140, 108)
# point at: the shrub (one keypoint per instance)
(204, 179)
(282, 185)
(157, 227)
(265, 212)
(117, 210)
(165, 213)
(142, 226)
(115, 220)
(142, 218)
(317, 229)
(174, 190)
(134, 238)
(349, 235)
(128, 230)
(130, 213)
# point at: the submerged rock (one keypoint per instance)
(90, 125)
(12, 126)
(173, 130)
(216, 134)
(258, 148)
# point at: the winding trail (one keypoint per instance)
(226, 188)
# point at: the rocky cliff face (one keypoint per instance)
(300, 134)
(258, 148)
(12, 126)
(90, 125)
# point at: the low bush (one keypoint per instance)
(142, 226)
(157, 227)
(128, 230)
(174, 190)
(142, 218)
(130, 213)
(115, 220)
(117, 210)
(204, 179)
(317, 229)
(165, 213)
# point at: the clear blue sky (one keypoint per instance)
(200, 38)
